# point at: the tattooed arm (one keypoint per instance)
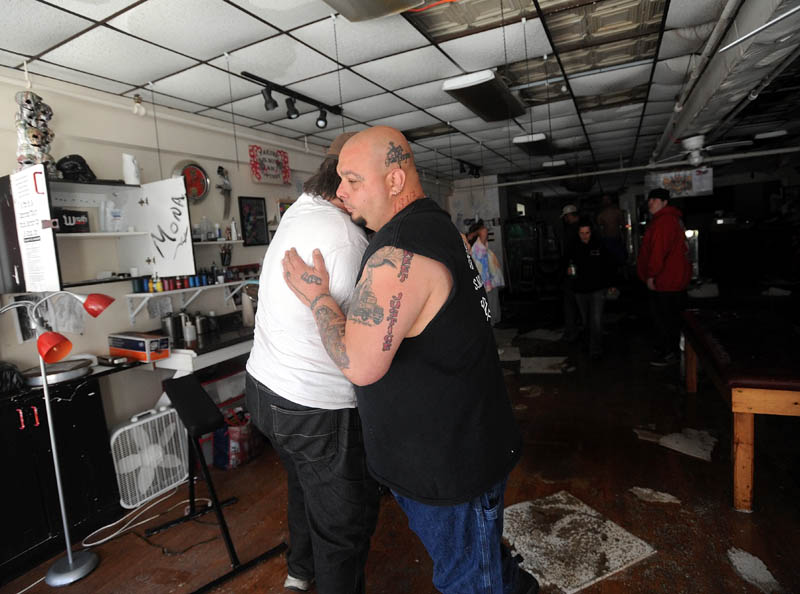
(398, 294)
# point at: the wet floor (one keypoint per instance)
(580, 439)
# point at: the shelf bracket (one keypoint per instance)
(185, 302)
(133, 312)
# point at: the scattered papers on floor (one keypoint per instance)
(508, 353)
(652, 496)
(543, 365)
(753, 570)
(698, 444)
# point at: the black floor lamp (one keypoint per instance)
(52, 347)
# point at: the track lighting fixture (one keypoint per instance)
(291, 109)
(269, 102)
(462, 167)
(292, 97)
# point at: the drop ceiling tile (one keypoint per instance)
(31, 27)
(688, 13)
(425, 95)
(287, 14)
(206, 85)
(659, 119)
(679, 42)
(620, 111)
(621, 124)
(657, 129)
(278, 130)
(664, 92)
(611, 81)
(377, 106)
(281, 60)
(10, 59)
(503, 131)
(406, 121)
(486, 49)
(659, 107)
(673, 71)
(335, 128)
(556, 109)
(445, 141)
(404, 70)
(178, 25)
(627, 134)
(554, 124)
(326, 88)
(253, 107)
(79, 78)
(225, 116)
(94, 10)
(451, 112)
(362, 41)
(164, 100)
(474, 124)
(111, 54)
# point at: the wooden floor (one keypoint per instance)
(579, 437)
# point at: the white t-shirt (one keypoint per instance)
(288, 356)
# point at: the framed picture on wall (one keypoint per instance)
(253, 215)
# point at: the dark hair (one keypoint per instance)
(659, 193)
(585, 222)
(325, 181)
(472, 232)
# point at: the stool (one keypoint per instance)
(200, 415)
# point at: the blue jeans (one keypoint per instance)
(591, 306)
(464, 542)
(333, 501)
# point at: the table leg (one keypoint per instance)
(691, 367)
(743, 438)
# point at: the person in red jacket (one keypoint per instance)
(664, 266)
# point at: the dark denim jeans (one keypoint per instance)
(464, 542)
(591, 307)
(666, 308)
(333, 501)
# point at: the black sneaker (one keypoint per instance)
(665, 361)
(526, 583)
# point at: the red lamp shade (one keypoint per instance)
(95, 303)
(53, 346)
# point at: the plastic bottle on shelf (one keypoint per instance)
(217, 231)
(205, 229)
(159, 285)
(234, 234)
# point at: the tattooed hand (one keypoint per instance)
(307, 282)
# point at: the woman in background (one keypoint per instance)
(488, 266)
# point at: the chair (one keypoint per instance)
(200, 415)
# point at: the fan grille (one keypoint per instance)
(149, 443)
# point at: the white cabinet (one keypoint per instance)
(153, 235)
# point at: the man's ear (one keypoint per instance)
(396, 181)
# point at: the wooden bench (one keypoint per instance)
(754, 362)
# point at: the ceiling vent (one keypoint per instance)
(364, 10)
(486, 95)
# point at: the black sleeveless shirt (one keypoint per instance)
(438, 427)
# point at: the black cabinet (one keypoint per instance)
(30, 516)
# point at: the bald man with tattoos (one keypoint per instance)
(417, 343)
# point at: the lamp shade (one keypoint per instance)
(53, 346)
(95, 303)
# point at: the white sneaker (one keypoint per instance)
(297, 584)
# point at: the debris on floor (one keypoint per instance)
(565, 543)
(753, 570)
(653, 496)
(545, 334)
(698, 444)
(508, 353)
(542, 365)
(647, 434)
(520, 407)
(531, 391)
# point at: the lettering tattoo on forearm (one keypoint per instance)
(331, 330)
(394, 306)
(311, 278)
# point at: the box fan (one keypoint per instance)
(150, 456)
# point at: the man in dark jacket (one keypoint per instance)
(664, 266)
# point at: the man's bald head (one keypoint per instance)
(376, 165)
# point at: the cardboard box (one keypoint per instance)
(139, 345)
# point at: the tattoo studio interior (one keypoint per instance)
(626, 178)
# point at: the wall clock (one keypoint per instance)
(194, 178)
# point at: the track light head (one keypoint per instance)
(269, 102)
(322, 119)
(462, 168)
(291, 109)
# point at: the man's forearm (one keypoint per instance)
(331, 325)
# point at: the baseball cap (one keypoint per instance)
(569, 209)
(336, 146)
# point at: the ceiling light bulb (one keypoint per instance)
(291, 109)
(322, 119)
(695, 158)
(269, 102)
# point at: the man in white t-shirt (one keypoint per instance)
(301, 401)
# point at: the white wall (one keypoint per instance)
(100, 127)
